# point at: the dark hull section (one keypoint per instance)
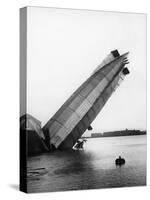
(34, 143)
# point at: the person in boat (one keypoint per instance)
(120, 161)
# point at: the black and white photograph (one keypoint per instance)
(82, 99)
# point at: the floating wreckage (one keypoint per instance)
(79, 144)
(76, 115)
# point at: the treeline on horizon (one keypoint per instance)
(117, 133)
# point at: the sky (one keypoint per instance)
(63, 49)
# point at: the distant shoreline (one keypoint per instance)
(110, 136)
(98, 135)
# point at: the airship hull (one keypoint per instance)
(79, 111)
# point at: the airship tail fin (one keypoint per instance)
(113, 54)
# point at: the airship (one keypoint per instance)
(76, 115)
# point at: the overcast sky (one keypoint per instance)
(65, 46)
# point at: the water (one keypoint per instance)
(94, 167)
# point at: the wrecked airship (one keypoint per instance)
(76, 115)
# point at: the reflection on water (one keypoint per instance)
(94, 167)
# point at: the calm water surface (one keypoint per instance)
(94, 167)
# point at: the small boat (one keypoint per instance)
(120, 161)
